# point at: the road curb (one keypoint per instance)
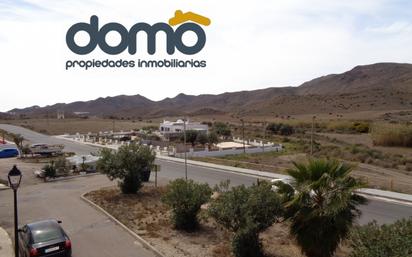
(402, 198)
(3, 187)
(225, 168)
(145, 244)
(72, 177)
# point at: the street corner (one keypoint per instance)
(6, 247)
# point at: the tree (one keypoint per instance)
(202, 138)
(286, 130)
(372, 240)
(222, 129)
(213, 138)
(246, 211)
(127, 164)
(18, 140)
(323, 205)
(185, 197)
(191, 136)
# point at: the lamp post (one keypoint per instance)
(14, 177)
(243, 135)
(311, 136)
(184, 139)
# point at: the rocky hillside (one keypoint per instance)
(380, 87)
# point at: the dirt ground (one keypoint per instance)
(72, 126)
(146, 215)
(366, 139)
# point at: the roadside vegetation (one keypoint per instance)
(246, 212)
(322, 205)
(319, 209)
(185, 197)
(373, 240)
(392, 135)
(130, 165)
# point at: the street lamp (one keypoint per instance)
(184, 139)
(14, 177)
(243, 135)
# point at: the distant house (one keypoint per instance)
(60, 115)
(177, 127)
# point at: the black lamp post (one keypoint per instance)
(14, 177)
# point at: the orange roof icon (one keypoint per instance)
(181, 17)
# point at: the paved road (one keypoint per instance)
(37, 138)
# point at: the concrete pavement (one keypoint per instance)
(38, 138)
(6, 246)
(92, 233)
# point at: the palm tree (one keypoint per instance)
(323, 205)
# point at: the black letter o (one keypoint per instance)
(124, 36)
(201, 38)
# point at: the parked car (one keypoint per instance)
(8, 153)
(44, 238)
(288, 181)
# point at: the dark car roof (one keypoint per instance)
(43, 224)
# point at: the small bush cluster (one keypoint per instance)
(280, 129)
(347, 127)
(195, 137)
(372, 240)
(247, 211)
(185, 199)
(128, 164)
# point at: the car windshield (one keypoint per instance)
(47, 234)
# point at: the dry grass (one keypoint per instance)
(149, 217)
(72, 126)
(392, 135)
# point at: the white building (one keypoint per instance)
(170, 127)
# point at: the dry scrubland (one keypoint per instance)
(72, 126)
(146, 215)
(382, 166)
(392, 135)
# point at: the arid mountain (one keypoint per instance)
(382, 86)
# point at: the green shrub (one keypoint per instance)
(222, 129)
(185, 199)
(49, 171)
(127, 164)
(280, 129)
(247, 211)
(361, 127)
(372, 240)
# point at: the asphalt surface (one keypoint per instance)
(92, 233)
(37, 138)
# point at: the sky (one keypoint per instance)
(250, 45)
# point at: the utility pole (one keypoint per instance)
(184, 141)
(264, 136)
(243, 135)
(311, 136)
(114, 125)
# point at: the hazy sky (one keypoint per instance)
(250, 45)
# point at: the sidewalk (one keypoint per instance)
(6, 246)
